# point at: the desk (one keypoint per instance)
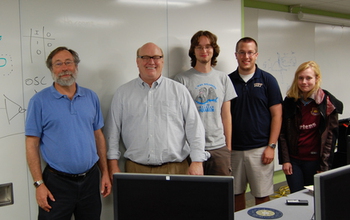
(290, 212)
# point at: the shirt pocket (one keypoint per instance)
(169, 110)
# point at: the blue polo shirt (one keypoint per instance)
(251, 116)
(65, 128)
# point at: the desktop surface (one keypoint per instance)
(289, 212)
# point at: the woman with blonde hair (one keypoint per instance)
(309, 127)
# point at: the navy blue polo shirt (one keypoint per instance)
(251, 116)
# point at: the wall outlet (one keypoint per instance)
(6, 194)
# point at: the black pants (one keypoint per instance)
(303, 174)
(78, 196)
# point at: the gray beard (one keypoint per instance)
(63, 82)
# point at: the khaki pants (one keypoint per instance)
(167, 168)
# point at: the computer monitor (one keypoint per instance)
(159, 197)
(332, 194)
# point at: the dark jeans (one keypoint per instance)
(303, 174)
(80, 196)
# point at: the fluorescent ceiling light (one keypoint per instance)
(324, 19)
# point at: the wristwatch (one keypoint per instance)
(38, 183)
(273, 146)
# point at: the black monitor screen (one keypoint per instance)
(332, 194)
(155, 196)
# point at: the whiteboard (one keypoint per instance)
(11, 93)
(106, 34)
(285, 43)
(107, 39)
(332, 49)
(13, 166)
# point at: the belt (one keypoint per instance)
(159, 165)
(68, 175)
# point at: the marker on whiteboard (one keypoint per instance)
(0, 37)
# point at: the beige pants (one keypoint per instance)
(167, 168)
(247, 167)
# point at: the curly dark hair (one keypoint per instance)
(195, 42)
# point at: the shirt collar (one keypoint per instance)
(58, 95)
(257, 73)
(155, 84)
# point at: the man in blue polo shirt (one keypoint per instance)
(64, 122)
(256, 123)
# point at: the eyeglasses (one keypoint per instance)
(243, 54)
(60, 64)
(148, 58)
(208, 47)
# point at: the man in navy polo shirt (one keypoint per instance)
(64, 122)
(256, 123)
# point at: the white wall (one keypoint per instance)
(285, 43)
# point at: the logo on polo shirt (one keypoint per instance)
(258, 84)
(315, 111)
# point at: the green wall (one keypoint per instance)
(295, 9)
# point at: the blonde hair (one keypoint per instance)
(294, 91)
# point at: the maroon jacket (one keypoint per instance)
(329, 108)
